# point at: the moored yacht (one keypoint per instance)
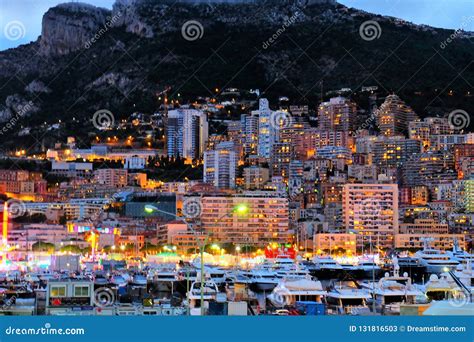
(441, 287)
(325, 267)
(457, 253)
(391, 291)
(261, 280)
(416, 271)
(208, 291)
(369, 269)
(434, 260)
(347, 297)
(288, 292)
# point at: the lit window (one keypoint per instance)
(58, 291)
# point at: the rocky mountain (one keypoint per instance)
(90, 58)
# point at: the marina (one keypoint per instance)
(370, 285)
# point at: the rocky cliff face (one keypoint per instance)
(139, 49)
(69, 27)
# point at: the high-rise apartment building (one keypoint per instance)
(220, 166)
(187, 133)
(337, 114)
(371, 210)
(394, 115)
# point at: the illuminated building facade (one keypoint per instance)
(371, 210)
(266, 221)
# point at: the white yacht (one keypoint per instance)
(295, 272)
(139, 280)
(288, 292)
(435, 260)
(369, 268)
(282, 262)
(325, 267)
(391, 291)
(216, 274)
(346, 297)
(457, 253)
(209, 290)
(261, 280)
(465, 274)
(441, 287)
(118, 280)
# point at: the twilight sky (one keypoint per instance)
(20, 20)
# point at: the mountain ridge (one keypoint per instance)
(143, 51)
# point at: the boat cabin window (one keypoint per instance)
(352, 301)
(81, 291)
(58, 291)
(394, 299)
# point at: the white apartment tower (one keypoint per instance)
(220, 166)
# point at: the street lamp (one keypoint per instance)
(239, 209)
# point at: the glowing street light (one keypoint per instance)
(241, 209)
(149, 209)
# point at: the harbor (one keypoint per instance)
(427, 282)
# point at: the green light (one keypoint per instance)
(148, 209)
(241, 209)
